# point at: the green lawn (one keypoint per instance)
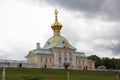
(55, 74)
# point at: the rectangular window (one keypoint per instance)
(65, 54)
(41, 59)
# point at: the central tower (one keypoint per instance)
(57, 40)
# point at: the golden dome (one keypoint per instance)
(58, 41)
(56, 25)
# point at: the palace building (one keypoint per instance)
(57, 52)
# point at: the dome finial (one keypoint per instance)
(56, 26)
(56, 12)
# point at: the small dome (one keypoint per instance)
(57, 41)
(56, 26)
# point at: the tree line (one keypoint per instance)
(109, 63)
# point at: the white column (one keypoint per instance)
(43, 61)
(55, 60)
(74, 61)
(36, 59)
(62, 58)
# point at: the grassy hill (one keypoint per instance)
(55, 74)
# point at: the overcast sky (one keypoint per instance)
(91, 26)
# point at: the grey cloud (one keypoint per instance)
(111, 41)
(111, 8)
(116, 48)
(104, 41)
(113, 48)
(107, 9)
(82, 5)
(109, 34)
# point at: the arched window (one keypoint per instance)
(70, 54)
(65, 60)
(46, 60)
(50, 60)
(60, 60)
(83, 62)
(76, 61)
(59, 54)
(70, 60)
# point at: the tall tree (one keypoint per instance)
(107, 62)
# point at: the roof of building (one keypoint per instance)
(42, 51)
(90, 60)
(48, 51)
(80, 54)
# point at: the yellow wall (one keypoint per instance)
(48, 63)
(31, 58)
(81, 62)
(90, 64)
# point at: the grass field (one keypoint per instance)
(55, 74)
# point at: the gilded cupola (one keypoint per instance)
(56, 26)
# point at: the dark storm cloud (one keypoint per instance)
(116, 49)
(108, 40)
(107, 9)
(82, 5)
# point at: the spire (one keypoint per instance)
(56, 26)
(56, 12)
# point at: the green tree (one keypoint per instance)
(107, 62)
(117, 63)
(112, 63)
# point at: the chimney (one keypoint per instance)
(38, 45)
